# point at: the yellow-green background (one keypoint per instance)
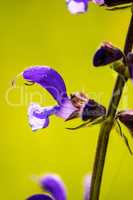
(44, 33)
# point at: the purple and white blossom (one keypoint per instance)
(77, 6)
(49, 79)
(67, 107)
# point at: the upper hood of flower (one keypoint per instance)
(49, 79)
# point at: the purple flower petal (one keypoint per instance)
(40, 197)
(77, 6)
(106, 54)
(87, 186)
(126, 117)
(54, 185)
(39, 116)
(49, 79)
(66, 110)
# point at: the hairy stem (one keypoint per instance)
(108, 124)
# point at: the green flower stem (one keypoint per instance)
(108, 124)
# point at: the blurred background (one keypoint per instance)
(45, 33)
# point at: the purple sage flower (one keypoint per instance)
(55, 188)
(49, 79)
(126, 117)
(106, 54)
(67, 107)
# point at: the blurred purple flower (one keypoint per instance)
(77, 6)
(54, 185)
(87, 186)
(55, 188)
(106, 54)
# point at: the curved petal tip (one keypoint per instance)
(54, 185)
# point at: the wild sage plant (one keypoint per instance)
(123, 64)
(80, 105)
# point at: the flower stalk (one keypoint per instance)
(108, 123)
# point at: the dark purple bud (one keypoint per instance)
(130, 64)
(92, 110)
(40, 197)
(126, 117)
(111, 3)
(106, 54)
(54, 185)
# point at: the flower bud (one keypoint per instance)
(106, 54)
